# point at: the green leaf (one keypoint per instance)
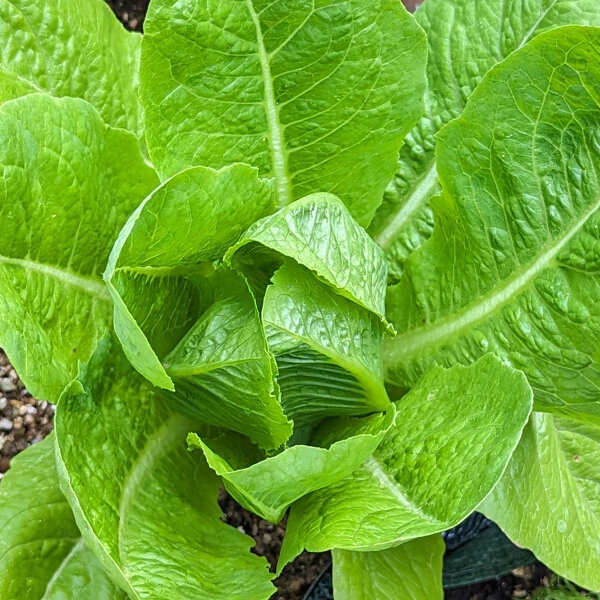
(411, 571)
(548, 499)
(269, 487)
(466, 39)
(12, 86)
(73, 48)
(324, 370)
(319, 233)
(222, 368)
(42, 555)
(318, 95)
(190, 219)
(512, 266)
(453, 436)
(144, 505)
(69, 183)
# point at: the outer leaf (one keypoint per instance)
(223, 370)
(190, 219)
(269, 487)
(466, 39)
(411, 571)
(454, 434)
(42, 555)
(513, 265)
(319, 233)
(144, 506)
(548, 499)
(318, 95)
(71, 48)
(328, 349)
(69, 183)
(12, 86)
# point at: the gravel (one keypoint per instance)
(23, 420)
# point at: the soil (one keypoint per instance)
(25, 421)
(297, 577)
(521, 583)
(130, 12)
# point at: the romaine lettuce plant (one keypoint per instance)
(338, 259)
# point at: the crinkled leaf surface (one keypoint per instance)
(328, 349)
(269, 486)
(73, 48)
(453, 436)
(145, 506)
(411, 571)
(548, 498)
(223, 371)
(513, 263)
(68, 184)
(318, 95)
(190, 219)
(12, 86)
(42, 554)
(319, 233)
(466, 39)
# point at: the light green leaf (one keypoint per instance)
(269, 487)
(411, 571)
(42, 555)
(548, 499)
(73, 48)
(512, 267)
(466, 39)
(69, 182)
(328, 349)
(12, 86)
(318, 95)
(146, 507)
(222, 368)
(190, 219)
(319, 233)
(453, 436)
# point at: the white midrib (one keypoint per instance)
(372, 464)
(173, 430)
(278, 150)
(89, 285)
(427, 184)
(74, 550)
(412, 342)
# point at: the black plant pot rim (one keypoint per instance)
(463, 549)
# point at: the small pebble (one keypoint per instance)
(7, 385)
(5, 425)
